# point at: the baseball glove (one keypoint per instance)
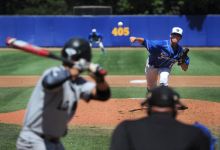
(183, 56)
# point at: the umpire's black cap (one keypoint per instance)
(164, 96)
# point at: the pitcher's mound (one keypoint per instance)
(112, 112)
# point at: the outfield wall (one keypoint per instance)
(55, 30)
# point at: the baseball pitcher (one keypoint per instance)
(163, 54)
(96, 38)
(55, 97)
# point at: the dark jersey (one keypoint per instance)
(156, 132)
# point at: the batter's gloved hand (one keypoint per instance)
(183, 56)
(81, 65)
(97, 72)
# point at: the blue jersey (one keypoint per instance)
(162, 55)
(94, 37)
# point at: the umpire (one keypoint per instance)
(160, 130)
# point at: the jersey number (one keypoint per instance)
(121, 31)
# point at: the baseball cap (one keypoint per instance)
(94, 30)
(164, 96)
(177, 30)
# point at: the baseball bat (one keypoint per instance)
(39, 51)
(33, 49)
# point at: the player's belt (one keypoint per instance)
(154, 66)
(49, 138)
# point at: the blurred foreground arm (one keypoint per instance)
(102, 91)
(55, 78)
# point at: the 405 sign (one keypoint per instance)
(120, 31)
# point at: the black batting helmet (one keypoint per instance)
(75, 49)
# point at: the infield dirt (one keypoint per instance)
(110, 113)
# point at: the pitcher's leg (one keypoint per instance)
(151, 76)
(164, 76)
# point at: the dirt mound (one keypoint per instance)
(112, 112)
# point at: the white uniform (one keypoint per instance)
(49, 111)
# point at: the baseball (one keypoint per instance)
(120, 23)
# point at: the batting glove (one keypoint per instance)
(81, 65)
(97, 72)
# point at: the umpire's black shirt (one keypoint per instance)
(159, 131)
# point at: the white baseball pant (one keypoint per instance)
(29, 140)
(152, 74)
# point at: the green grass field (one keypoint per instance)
(121, 62)
(12, 99)
(116, 62)
(79, 138)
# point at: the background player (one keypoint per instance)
(54, 99)
(95, 37)
(163, 55)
